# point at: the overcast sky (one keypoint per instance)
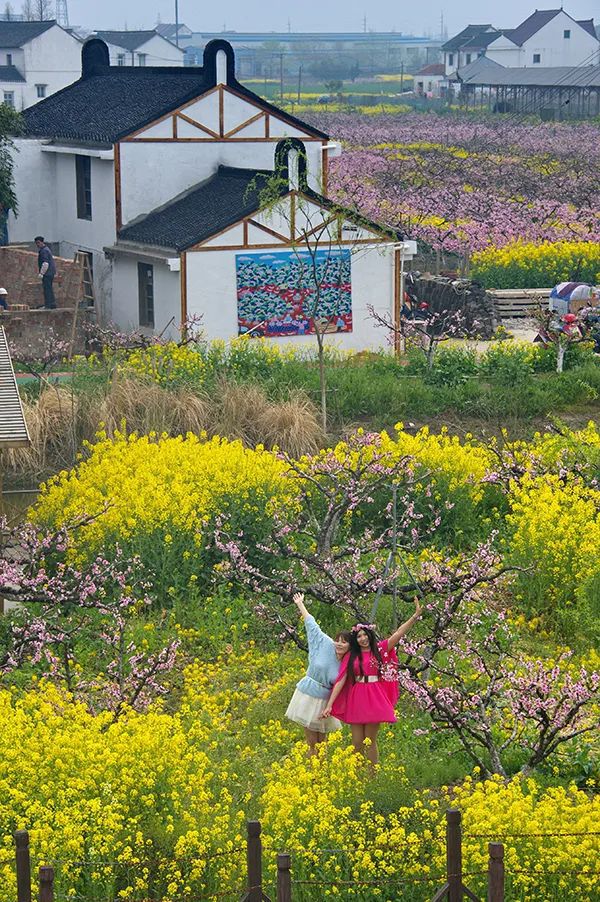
(315, 15)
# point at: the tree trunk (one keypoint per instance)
(322, 380)
(430, 355)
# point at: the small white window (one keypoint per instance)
(450, 59)
(41, 90)
(567, 33)
(9, 98)
(537, 57)
(9, 59)
(120, 59)
(141, 59)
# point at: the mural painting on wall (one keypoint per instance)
(276, 293)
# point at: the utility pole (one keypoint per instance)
(401, 77)
(365, 23)
(281, 76)
(177, 23)
(299, 81)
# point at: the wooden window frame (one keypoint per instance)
(83, 186)
(146, 294)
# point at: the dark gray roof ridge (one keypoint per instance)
(15, 34)
(112, 103)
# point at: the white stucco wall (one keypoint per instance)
(153, 174)
(53, 59)
(125, 300)
(551, 45)
(159, 52)
(212, 294)
(35, 188)
(556, 50)
(505, 52)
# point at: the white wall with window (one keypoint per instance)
(51, 61)
(146, 292)
(560, 42)
(155, 52)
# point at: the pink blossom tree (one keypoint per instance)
(462, 665)
(82, 623)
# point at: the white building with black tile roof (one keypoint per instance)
(140, 48)
(36, 59)
(157, 173)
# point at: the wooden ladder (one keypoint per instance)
(86, 295)
(87, 279)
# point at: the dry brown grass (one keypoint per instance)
(144, 407)
(50, 422)
(59, 422)
(294, 426)
(245, 412)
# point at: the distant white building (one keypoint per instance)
(429, 81)
(547, 38)
(36, 60)
(140, 48)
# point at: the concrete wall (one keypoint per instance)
(212, 294)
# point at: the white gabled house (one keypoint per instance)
(36, 60)
(140, 48)
(157, 173)
(547, 38)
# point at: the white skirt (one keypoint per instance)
(306, 710)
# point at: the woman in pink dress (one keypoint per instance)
(366, 691)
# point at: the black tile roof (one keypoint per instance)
(130, 40)
(104, 108)
(221, 201)
(15, 34)
(588, 25)
(107, 106)
(531, 25)
(473, 35)
(225, 198)
(10, 73)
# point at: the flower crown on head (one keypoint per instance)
(363, 626)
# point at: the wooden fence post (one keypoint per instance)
(284, 878)
(454, 855)
(23, 866)
(46, 884)
(254, 861)
(496, 872)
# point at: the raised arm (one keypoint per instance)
(402, 630)
(334, 694)
(298, 598)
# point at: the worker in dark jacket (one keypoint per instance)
(47, 271)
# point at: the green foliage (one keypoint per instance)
(11, 126)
